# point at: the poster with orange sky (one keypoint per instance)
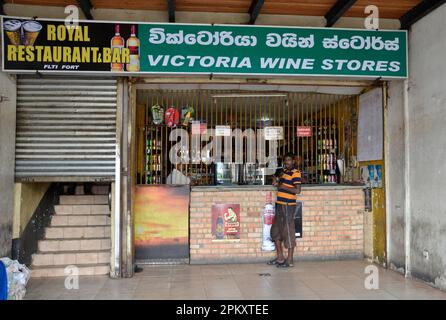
(161, 223)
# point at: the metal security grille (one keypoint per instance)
(66, 128)
(330, 118)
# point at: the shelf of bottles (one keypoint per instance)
(327, 146)
(153, 153)
(318, 154)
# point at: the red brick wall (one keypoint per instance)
(332, 224)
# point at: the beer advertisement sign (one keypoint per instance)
(104, 47)
(225, 222)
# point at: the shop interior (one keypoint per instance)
(319, 128)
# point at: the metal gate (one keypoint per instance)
(66, 129)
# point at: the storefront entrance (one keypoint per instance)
(231, 136)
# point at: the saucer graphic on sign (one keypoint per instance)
(13, 30)
(31, 30)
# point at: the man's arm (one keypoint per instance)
(296, 189)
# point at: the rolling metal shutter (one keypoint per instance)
(66, 129)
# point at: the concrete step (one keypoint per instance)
(77, 232)
(65, 209)
(65, 258)
(80, 220)
(57, 245)
(59, 271)
(82, 199)
(95, 189)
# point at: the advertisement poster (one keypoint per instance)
(222, 131)
(225, 221)
(161, 223)
(48, 45)
(304, 131)
(371, 176)
(273, 133)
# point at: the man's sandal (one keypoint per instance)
(273, 262)
(284, 264)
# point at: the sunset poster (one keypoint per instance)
(161, 223)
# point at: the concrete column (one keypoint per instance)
(7, 155)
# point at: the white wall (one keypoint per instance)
(427, 153)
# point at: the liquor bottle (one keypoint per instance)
(117, 43)
(133, 46)
(220, 227)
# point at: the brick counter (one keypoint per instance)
(332, 224)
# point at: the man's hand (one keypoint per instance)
(275, 181)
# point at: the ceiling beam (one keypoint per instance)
(86, 7)
(337, 11)
(254, 10)
(171, 10)
(418, 12)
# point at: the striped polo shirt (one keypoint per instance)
(289, 178)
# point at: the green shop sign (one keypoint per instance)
(146, 48)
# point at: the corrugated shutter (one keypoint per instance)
(66, 128)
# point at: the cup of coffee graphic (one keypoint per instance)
(31, 30)
(13, 31)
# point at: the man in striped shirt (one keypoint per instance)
(283, 229)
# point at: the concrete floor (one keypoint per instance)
(307, 280)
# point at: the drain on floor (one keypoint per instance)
(265, 274)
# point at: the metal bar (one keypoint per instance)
(171, 10)
(310, 163)
(57, 80)
(86, 7)
(418, 12)
(230, 123)
(69, 139)
(36, 105)
(61, 162)
(337, 11)
(294, 124)
(63, 156)
(66, 90)
(256, 163)
(116, 269)
(321, 176)
(254, 10)
(324, 136)
(48, 99)
(149, 81)
(2, 9)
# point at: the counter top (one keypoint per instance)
(272, 188)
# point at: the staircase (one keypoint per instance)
(79, 235)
